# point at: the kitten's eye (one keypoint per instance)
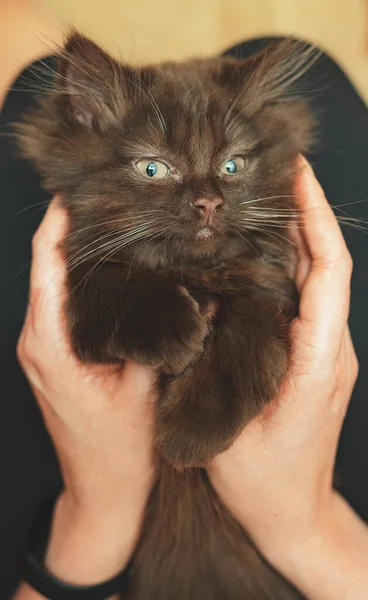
(234, 165)
(152, 169)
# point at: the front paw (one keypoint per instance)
(192, 425)
(162, 328)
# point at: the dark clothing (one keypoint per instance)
(28, 466)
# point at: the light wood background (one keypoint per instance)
(151, 30)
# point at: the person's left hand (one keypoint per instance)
(100, 417)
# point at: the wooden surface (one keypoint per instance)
(151, 30)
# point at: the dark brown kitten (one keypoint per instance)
(178, 180)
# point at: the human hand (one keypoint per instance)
(100, 418)
(276, 479)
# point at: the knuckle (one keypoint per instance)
(27, 346)
(34, 302)
(342, 264)
(325, 374)
(347, 263)
(329, 374)
(20, 350)
(355, 368)
(345, 379)
(29, 360)
(25, 350)
(340, 382)
(36, 241)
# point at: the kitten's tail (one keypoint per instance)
(192, 549)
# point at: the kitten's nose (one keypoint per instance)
(208, 207)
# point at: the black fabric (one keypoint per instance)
(28, 466)
(29, 472)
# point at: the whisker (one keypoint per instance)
(119, 245)
(268, 222)
(350, 203)
(81, 255)
(250, 214)
(28, 264)
(355, 226)
(143, 227)
(242, 235)
(266, 198)
(23, 210)
(101, 247)
(105, 258)
(264, 229)
(266, 215)
(135, 254)
(116, 229)
(73, 256)
(117, 220)
(274, 210)
(255, 223)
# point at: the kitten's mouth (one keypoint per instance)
(205, 232)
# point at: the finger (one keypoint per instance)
(139, 377)
(324, 302)
(47, 282)
(304, 260)
(320, 226)
(349, 362)
(140, 383)
(46, 256)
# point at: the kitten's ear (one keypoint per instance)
(272, 75)
(89, 80)
(267, 88)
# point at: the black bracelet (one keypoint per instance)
(32, 571)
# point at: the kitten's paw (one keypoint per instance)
(88, 339)
(160, 326)
(187, 434)
(183, 445)
(163, 329)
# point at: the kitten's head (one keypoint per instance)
(178, 163)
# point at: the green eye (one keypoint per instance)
(233, 166)
(152, 169)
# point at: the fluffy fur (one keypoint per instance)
(189, 273)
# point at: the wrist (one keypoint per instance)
(329, 562)
(90, 544)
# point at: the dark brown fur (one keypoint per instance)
(210, 313)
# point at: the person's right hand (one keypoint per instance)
(276, 479)
(100, 419)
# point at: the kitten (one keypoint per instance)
(178, 180)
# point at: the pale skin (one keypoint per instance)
(276, 479)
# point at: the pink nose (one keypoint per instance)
(208, 207)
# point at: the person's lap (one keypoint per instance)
(29, 472)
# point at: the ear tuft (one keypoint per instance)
(266, 88)
(270, 75)
(279, 69)
(88, 79)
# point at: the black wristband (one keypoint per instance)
(32, 571)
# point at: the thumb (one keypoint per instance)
(140, 383)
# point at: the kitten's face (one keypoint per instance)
(189, 170)
(185, 179)
(174, 164)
